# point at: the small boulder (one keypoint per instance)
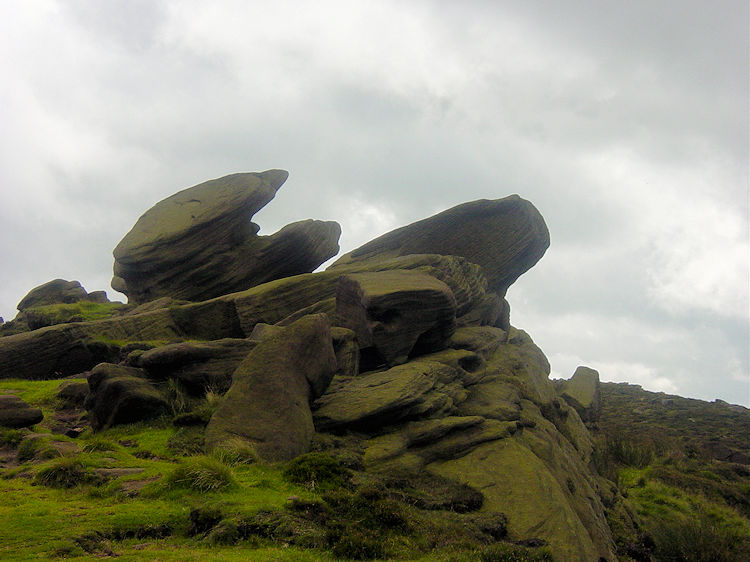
(16, 413)
(119, 395)
(268, 404)
(396, 314)
(73, 393)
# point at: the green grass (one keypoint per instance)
(83, 311)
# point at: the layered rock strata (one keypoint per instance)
(200, 242)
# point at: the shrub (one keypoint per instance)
(203, 519)
(202, 474)
(12, 437)
(98, 444)
(36, 448)
(186, 441)
(317, 471)
(699, 539)
(234, 452)
(225, 532)
(506, 552)
(67, 472)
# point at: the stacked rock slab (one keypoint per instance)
(396, 313)
(200, 243)
(459, 393)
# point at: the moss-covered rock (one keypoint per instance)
(199, 243)
(196, 366)
(521, 486)
(505, 237)
(582, 392)
(16, 413)
(268, 402)
(396, 314)
(372, 400)
(119, 394)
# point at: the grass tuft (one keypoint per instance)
(202, 474)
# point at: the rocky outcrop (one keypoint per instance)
(402, 351)
(119, 394)
(505, 237)
(196, 366)
(59, 291)
(268, 404)
(16, 413)
(395, 314)
(582, 392)
(200, 243)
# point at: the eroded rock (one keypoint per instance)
(268, 404)
(396, 314)
(197, 366)
(199, 243)
(120, 394)
(582, 392)
(505, 237)
(15, 412)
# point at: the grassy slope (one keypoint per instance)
(104, 518)
(672, 457)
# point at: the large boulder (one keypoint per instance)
(268, 404)
(120, 394)
(16, 413)
(505, 237)
(582, 392)
(395, 314)
(57, 291)
(200, 243)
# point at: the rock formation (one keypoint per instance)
(403, 346)
(59, 291)
(15, 413)
(200, 243)
(268, 405)
(505, 236)
(581, 391)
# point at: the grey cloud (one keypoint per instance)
(606, 115)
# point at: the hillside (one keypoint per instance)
(241, 406)
(684, 465)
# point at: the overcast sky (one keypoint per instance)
(625, 123)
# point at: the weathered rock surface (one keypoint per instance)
(16, 413)
(199, 243)
(467, 397)
(120, 394)
(505, 236)
(372, 400)
(582, 392)
(268, 404)
(197, 366)
(56, 291)
(396, 314)
(483, 412)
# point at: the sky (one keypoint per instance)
(624, 123)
